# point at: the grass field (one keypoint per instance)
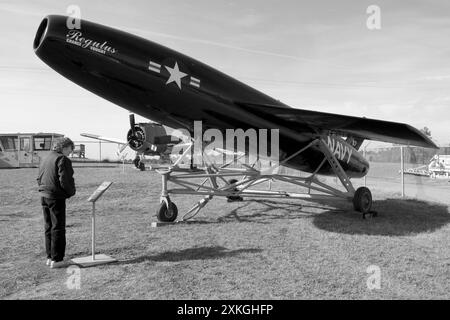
(264, 249)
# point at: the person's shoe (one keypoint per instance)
(59, 264)
(48, 262)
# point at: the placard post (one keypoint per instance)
(94, 259)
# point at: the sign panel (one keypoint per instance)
(100, 190)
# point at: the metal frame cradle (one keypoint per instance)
(235, 189)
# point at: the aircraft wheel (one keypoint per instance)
(141, 166)
(165, 215)
(136, 162)
(362, 200)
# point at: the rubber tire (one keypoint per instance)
(141, 166)
(362, 200)
(136, 162)
(234, 198)
(164, 215)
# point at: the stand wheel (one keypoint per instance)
(362, 200)
(234, 198)
(165, 215)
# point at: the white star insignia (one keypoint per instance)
(175, 75)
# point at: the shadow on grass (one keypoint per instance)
(396, 217)
(93, 166)
(201, 253)
(271, 210)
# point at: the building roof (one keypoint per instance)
(33, 134)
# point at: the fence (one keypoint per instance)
(386, 173)
(411, 155)
(98, 151)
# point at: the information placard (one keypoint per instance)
(100, 190)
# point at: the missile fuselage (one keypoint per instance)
(173, 89)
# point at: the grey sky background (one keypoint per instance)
(316, 55)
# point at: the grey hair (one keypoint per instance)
(60, 143)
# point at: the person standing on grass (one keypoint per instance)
(56, 184)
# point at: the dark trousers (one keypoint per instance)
(55, 227)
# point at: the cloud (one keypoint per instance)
(20, 9)
(228, 46)
(249, 20)
(435, 78)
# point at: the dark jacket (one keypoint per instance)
(55, 178)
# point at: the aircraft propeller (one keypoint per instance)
(136, 136)
(131, 137)
(132, 125)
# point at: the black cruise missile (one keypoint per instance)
(175, 90)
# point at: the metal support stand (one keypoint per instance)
(220, 186)
(402, 170)
(100, 150)
(95, 259)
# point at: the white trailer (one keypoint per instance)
(25, 150)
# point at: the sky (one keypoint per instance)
(317, 55)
